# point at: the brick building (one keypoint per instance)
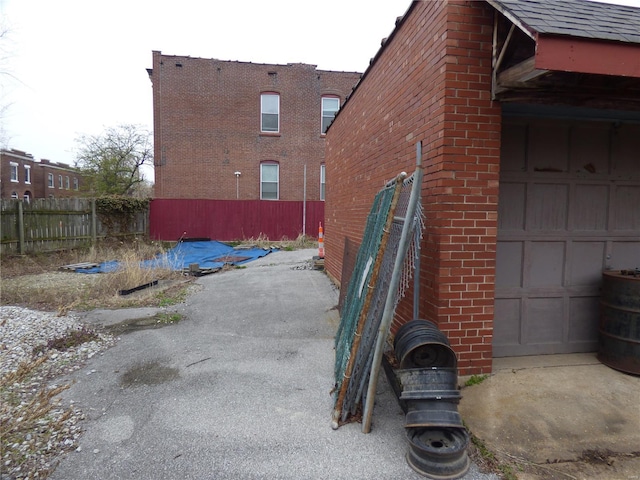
(237, 131)
(529, 118)
(24, 177)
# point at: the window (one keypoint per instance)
(27, 174)
(60, 181)
(269, 173)
(330, 106)
(14, 194)
(67, 182)
(270, 112)
(75, 183)
(51, 182)
(14, 172)
(322, 181)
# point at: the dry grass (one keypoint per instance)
(262, 241)
(35, 281)
(30, 419)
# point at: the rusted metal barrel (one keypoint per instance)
(619, 339)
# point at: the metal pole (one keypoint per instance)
(389, 306)
(304, 203)
(416, 232)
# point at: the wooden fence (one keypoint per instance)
(45, 224)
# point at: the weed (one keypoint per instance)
(171, 297)
(475, 380)
(485, 457)
(28, 416)
(168, 318)
(71, 339)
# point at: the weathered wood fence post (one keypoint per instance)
(94, 222)
(21, 247)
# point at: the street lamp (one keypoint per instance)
(237, 174)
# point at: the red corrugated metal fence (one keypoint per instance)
(225, 220)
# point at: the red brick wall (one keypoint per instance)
(430, 83)
(207, 126)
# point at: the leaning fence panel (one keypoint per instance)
(391, 243)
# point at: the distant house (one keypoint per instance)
(25, 178)
(529, 116)
(239, 147)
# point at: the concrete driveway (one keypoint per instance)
(240, 389)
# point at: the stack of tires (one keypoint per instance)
(429, 395)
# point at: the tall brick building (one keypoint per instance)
(25, 178)
(529, 118)
(228, 130)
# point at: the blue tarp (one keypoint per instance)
(209, 255)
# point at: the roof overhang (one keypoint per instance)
(527, 62)
(582, 55)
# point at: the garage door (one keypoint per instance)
(569, 207)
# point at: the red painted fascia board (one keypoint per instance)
(581, 55)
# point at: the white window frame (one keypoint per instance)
(60, 184)
(262, 182)
(67, 182)
(75, 183)
(323, 181)
(263, 112)
(14, 195)
(14, 172)
(328, 114)
(52, 182)
(27, 174)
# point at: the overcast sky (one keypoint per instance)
(72, 67)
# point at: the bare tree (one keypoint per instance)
(111, 163)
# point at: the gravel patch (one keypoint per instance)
(34, 425)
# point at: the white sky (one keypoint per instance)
(72, 67)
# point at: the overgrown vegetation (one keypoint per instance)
(35, 281)
(116, 213)
(29, 418)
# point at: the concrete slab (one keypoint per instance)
(558, 416)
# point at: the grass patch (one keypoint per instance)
(475, 380)
(168, 318)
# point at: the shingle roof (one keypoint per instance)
(577, 18)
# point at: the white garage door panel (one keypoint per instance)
(569, 207)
